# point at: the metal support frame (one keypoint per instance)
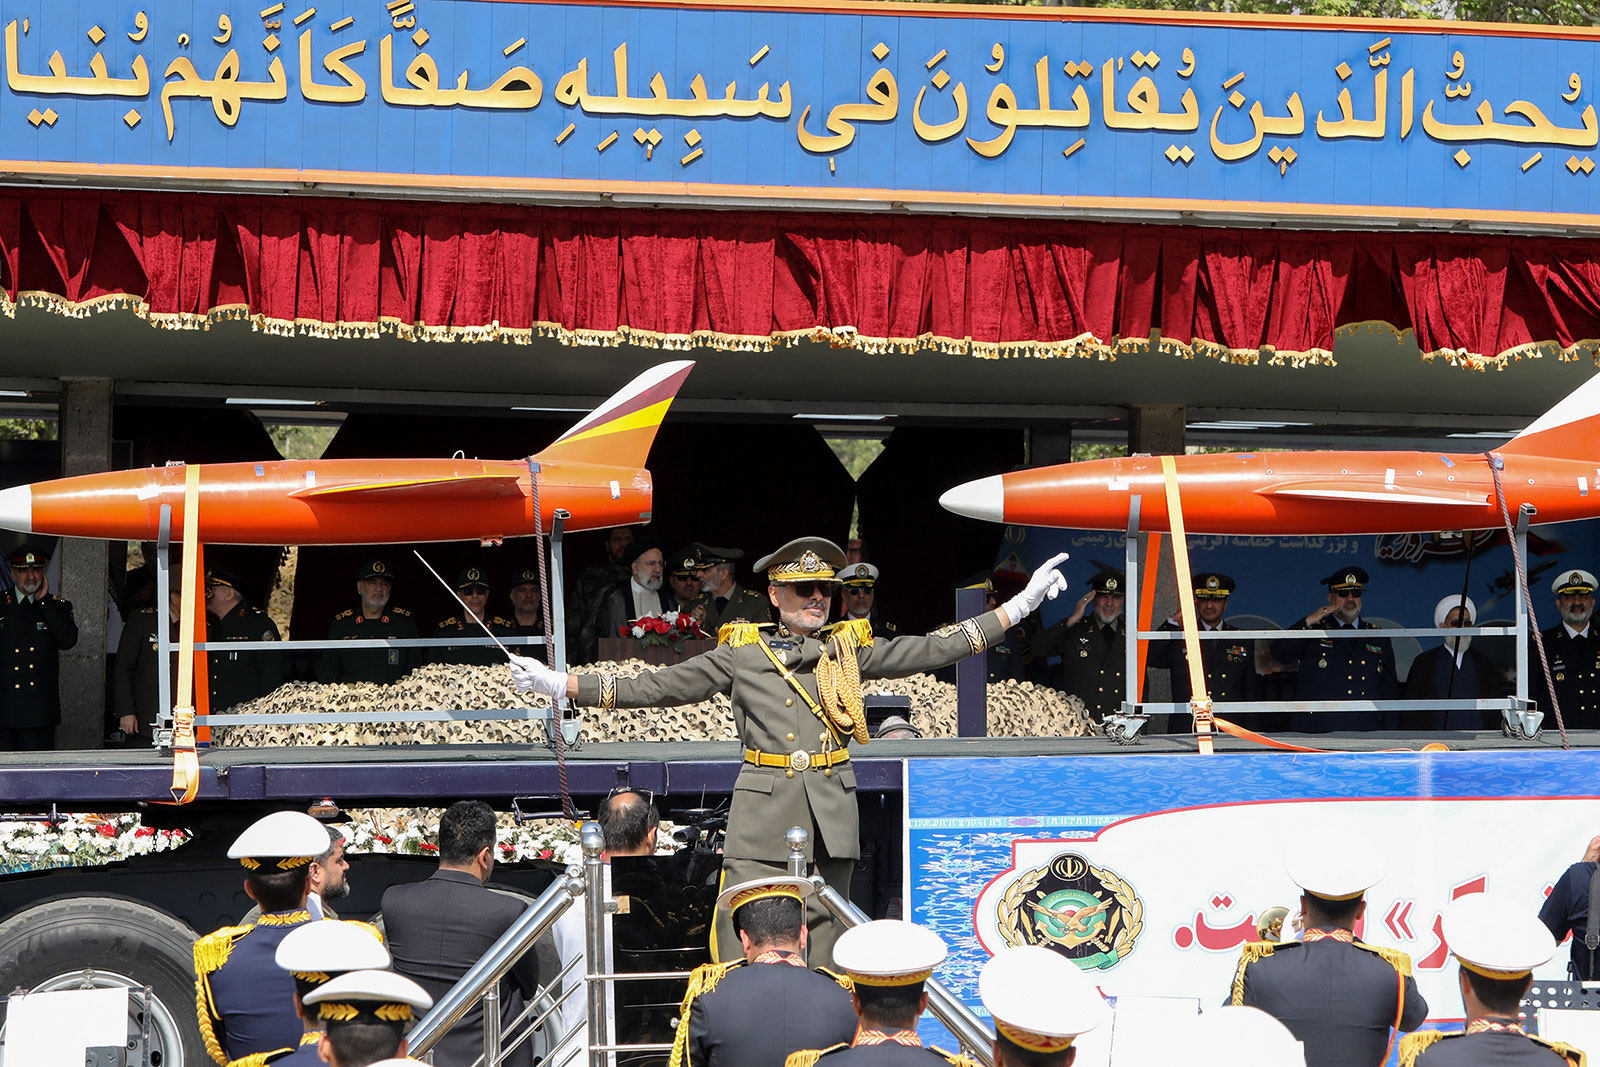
(1520, 720)
(161, 735)
(595, 905)
(972, 675)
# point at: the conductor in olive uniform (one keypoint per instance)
(1338, 995)
(1573, 648)
(35, 626)
(1498, 944)
(235, 677)
(1350, 668)
(756, 1010)
(795, 690)
(889, 963)
(1093, 646)
(723, 600)
(375, 618)
(244, 1000)
(472, 585)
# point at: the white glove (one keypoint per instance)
(1046, 583)
(532, 676)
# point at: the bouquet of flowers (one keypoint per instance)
(665, 629)
(80, 841)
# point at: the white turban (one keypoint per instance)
(1457, 645)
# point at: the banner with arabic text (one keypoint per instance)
(964, 108)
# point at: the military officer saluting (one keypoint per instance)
(35, 627)
(795, 689)
(366, 1014)
(1093, 646)
(723, 600)
(860, 592)
(1339, 996)
(1346, 668)
(244, 1000)
(889, 963)
(1573, 649)
(1041, 1002)
(235, 677)
(375, 618)
(472, 586)
(314, 953)
(1498, 944)
(756, 1010)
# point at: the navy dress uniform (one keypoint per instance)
(1093, 656)
(1574, 660)
(244, 1000)
(884, 953)
(1040, 1001)
(235, 677)
(1491, 936)
(1340, 669)
(864, 576)
(1566, 911)
(1340, 996)
(314, 953)
(381, 665)
(34, 630)
(1230, 669)
(368, 997)
(469, 582)
(755, 1012)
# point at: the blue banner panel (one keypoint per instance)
(963, 107)
(1150, 872)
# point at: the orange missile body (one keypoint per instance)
(1553, 465)
(595, 472)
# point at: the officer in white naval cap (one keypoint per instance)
(1498, 944)
(859, 595)
(1338, 995)
(1573, 649)
(366, 1015)
(316, 953)
(1040, 1002)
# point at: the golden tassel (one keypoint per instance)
(1414, 1045)
(702, 980)
(1253, 950)
(739, 634)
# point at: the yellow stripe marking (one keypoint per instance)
(642, 419)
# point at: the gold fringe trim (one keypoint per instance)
(856, 631)
(956, 1059)
(844, 980)
(1571, 1053)
(739, 634)
(1083, 346)
(703, 979)
(1414, 1045)
(203, 1010)
(259, 1059)
(212, 950)
(839, 686)
(1400, 961)
(1252, 951)
(809, 1057)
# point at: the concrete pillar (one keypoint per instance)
(85, 413)
(1048, 444)
(1158, 430)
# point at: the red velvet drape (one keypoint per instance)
(989, 287)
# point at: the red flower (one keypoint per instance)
(386, 839)
(545, 853)
(427, 847)
(625, 630)
(144, 831)
(107, 830)
(508, 849)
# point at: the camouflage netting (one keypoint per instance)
(1015, 710)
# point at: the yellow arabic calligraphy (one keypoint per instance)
(517, 88)
(882, 90)
(58, 82)
(573, 89)
(1144, 105)
(354, 88)
(225, 89)
(1291, 125)
(1003, 112)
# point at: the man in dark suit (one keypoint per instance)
(1339, 996)
(1091, 643)
(1573, 648)
(755, 1011)
(439, 928)
(35, 626)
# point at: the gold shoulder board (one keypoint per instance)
(1574, 1056)
(211, 951)
(843, 979)
(739, 634)
(809, 1057)
(857, 631)
(1400, 961)
(1414, 1045)
(956, 1059)
(1252, 951)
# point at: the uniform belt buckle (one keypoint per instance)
(799, 759)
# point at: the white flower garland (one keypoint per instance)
(82, 840)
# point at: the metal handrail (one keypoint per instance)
(975, 1037)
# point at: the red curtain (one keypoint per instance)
(988, 287)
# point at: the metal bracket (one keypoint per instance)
(1522, 724)
(1124, 729)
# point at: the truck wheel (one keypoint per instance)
(111, 942)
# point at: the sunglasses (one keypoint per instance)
(1349, 596)
(810, 589)
(858, 590)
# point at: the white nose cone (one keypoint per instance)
(981, 499)
(16, 508)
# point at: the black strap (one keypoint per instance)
(1591, 932)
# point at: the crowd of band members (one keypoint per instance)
(1083, 654)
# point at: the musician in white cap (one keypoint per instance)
(1040, 1002)
(888, 961)
(1498, 944)
(244, 1000)
(315, 953)
(1338, 995)
(756, 1010)
(366, 1015)
(1573, 649)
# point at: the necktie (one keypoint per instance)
(722, 604)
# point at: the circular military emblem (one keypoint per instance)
(1086, 913)
(1111, 585)
(378, 567)
(1350, 579)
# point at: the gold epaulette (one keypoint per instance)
(956, 1059)
(703, 979)
(856, 631)
(1252, 951)
(211, 951)
(1571, 1054)
(809, 1057)
(1400, 961)
(843, 979)
(345, 614)
(368, 927)
(1414, 1045)
(261, 1059)
(739, 634)
(451, 621)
